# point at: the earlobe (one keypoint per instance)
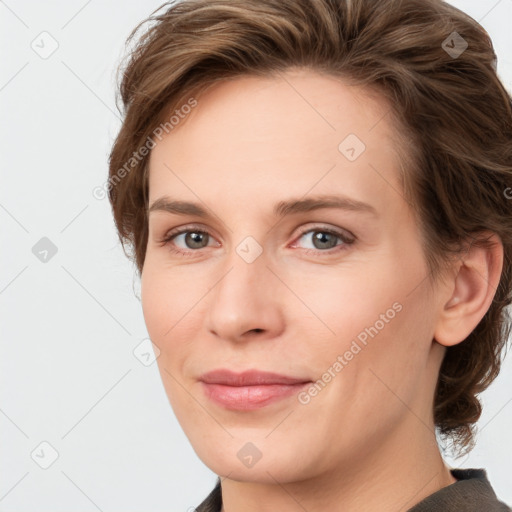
(473, 287)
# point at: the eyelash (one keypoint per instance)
(346, 239)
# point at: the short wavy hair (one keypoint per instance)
(436, 68)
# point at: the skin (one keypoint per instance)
(366, 440)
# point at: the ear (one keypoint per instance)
(470, 290)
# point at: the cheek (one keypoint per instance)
(164, 303)
(341, 304)
(173, 304)
(156, 303)
(385, 346)
(167, 296)
(377, 313)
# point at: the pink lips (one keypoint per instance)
(249, 390)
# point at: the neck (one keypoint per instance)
(393, 474)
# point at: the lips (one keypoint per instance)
(248, 378)
(249, 390)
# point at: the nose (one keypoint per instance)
(244, 303)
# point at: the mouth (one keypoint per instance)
(249, 390)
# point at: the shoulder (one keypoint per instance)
(471, 493)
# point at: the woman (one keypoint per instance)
(315, 196)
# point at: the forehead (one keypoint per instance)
(293, 132)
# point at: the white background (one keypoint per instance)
(69, 326)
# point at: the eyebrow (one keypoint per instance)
(281, 209)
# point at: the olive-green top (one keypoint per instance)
(471, 493)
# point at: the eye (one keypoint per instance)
(190, 239)
(323, 239)
(186, 240)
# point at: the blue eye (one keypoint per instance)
(322, 239)
(193, 239)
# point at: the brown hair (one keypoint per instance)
(451, 108)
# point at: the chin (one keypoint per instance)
(259, 461)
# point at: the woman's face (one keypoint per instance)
(335, 298)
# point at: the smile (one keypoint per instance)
(249, 390)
